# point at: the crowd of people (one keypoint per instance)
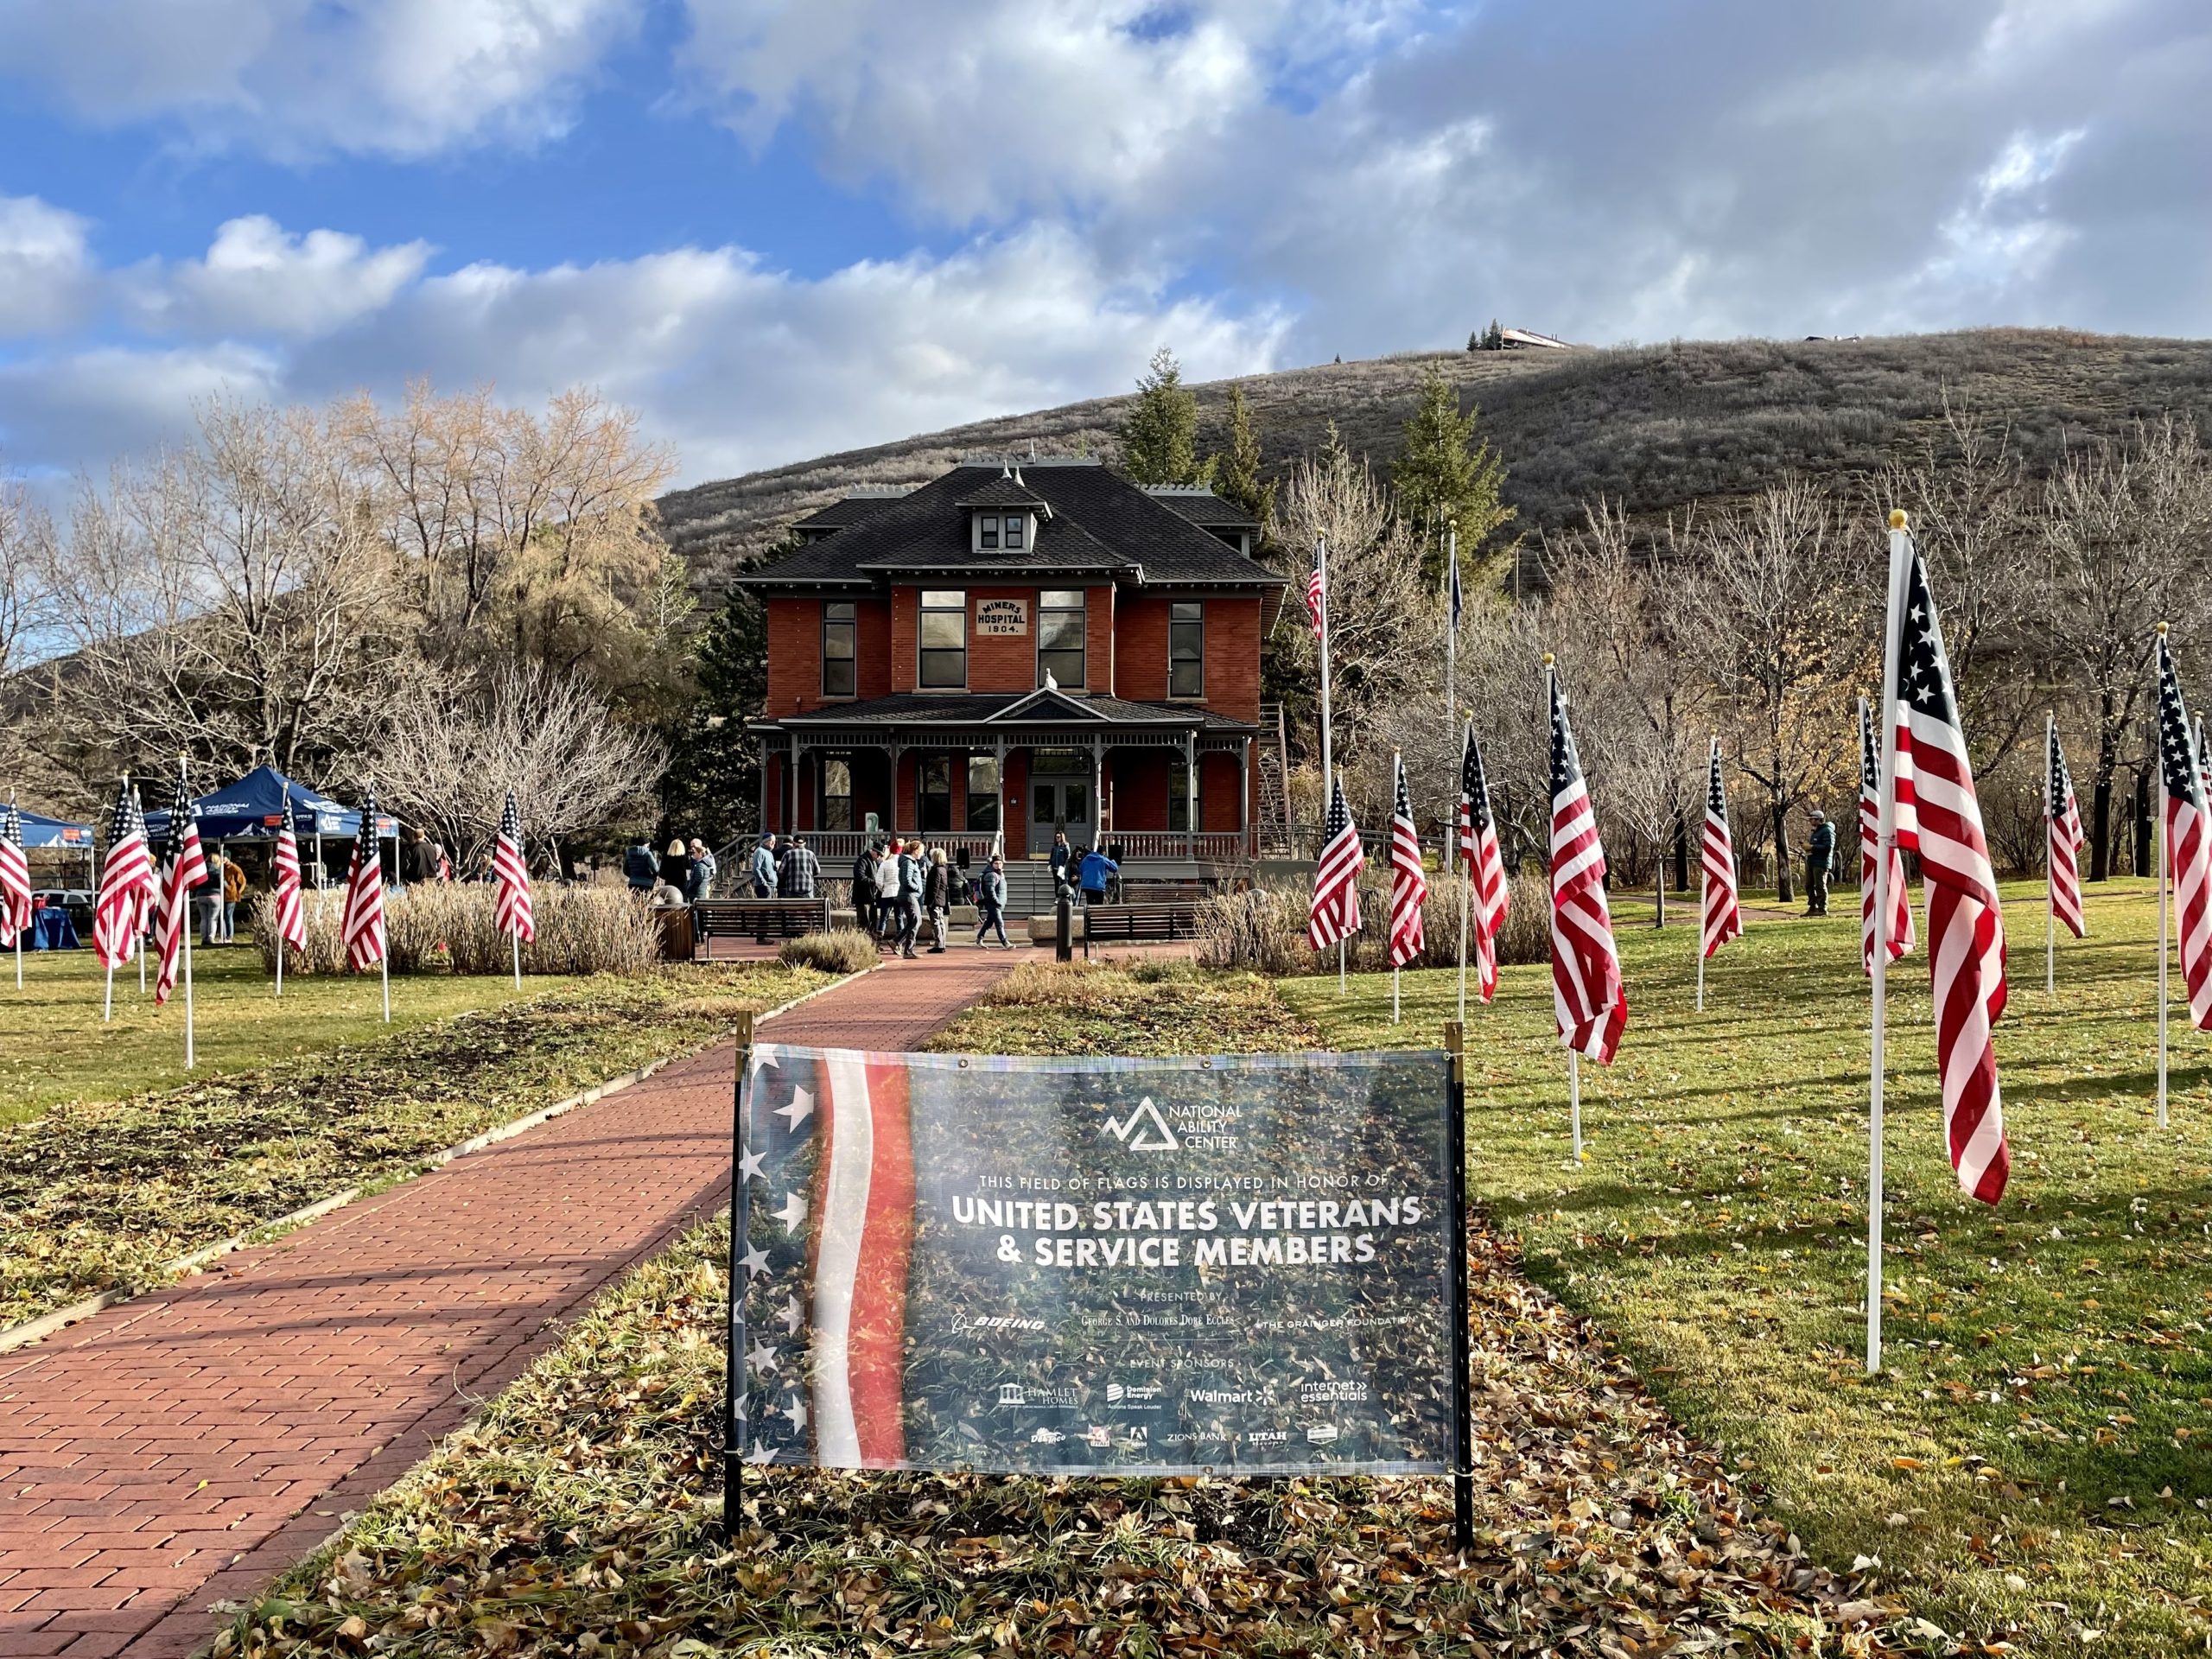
(684, 874)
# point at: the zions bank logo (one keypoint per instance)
(1144, 1130)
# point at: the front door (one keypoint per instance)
(1062, 804)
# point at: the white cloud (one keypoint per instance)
(293, 78)
(43, 266)
(257, 278)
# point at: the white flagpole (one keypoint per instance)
(184, 899)
(1451, 724)
(1885, 837)
(1453, 851)
(383, 972)
(1329, 778)
(280, 962)
(2159, 831)
(1704, 876)
(1574, 1096)
(2050, 846)
(515, 939)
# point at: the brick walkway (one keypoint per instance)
(190, 1446)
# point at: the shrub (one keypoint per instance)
(1264, 929)
(448, 927)
(841, 951)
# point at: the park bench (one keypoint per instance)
(1135, 923)
(758, 919)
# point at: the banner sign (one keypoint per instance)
(1094, 1266)
(1005, 617)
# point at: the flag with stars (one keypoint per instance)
(1939, 816)
(1408, 881)
(14, 877)
(1724, 919)
(1484, 860)
(126, 884)
(2189, 840)
(511, 912)
(1334, 913)
(1317, 600)
(183, 868)
(2063, 815)
(1900, 932)
(361, 925)
(1588, 999)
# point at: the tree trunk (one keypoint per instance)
(1681, 853)
(2100, 829)
(2143, 866)
(1658, 893)
(1783, 891)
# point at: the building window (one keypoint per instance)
(933, 788)
(837, 791)
(1059, 636)
(987, 530)
(1179, 794)
(840, 648)
(1186, 649)
(983, 794)
(945, 638)
(1013, 528)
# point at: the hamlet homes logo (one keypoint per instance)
(1202, 1126)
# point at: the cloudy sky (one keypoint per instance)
(782, 227)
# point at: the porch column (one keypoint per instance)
(1098, 791)
(1191, 795)
(892, 813)
(764, 785)
(998, 750)
(791, 794)
(1244, 798)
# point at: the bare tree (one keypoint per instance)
(2121, 526)
(448, 764)
(1782, 601)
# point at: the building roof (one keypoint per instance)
(850, 509)
(1002, 492)
(1201, 506)
(1010, 711)
(1100, 524)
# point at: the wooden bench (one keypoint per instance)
(1134, 923)
(759, 919)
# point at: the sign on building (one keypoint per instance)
(1116, 1266)
(1002, 616)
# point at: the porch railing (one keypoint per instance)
(1214, 844)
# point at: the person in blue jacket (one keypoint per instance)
(767, 872)
(1098, 870)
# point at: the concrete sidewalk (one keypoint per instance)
(190, 1446)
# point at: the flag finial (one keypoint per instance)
(2162, 630)
(1897, 519)
(1548, 659)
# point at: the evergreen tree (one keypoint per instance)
(1445, 475)
(1160, 438)
(1237, 467)
(712, 788)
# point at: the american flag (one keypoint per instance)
(1724, 920)
(511, 910)
(1335, 914)
(1587, 997)
(126, 882)
(183, 869)
(1870, 821)
(362, 924)
(1451, 580)
(2189, 840)
(2064, 814)
(15, 876)
(290, 915)
(1939, 816)
(1408, 881)
(1317, 601)
(1484, 863)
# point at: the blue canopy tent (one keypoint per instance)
(255, 807)
(39, 830)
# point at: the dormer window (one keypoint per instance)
(1016, 524)
(1004, 514)
(987, 530)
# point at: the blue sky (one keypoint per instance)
(777, 227)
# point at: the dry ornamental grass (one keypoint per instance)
(446, 927)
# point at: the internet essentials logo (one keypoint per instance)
(1144, 1130)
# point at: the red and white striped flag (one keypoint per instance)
(1869, 818)
(1939, 816)
(14, 877)
(2063, 815)
(1588, 999)
(288, 912)
(1408, 881)
(1724, 919)
(1335, 912)
(1317, 601)
(183, 868)
(512, 913)
(361, 925)
(126, 882)
(2189, 840)
(1484, 862)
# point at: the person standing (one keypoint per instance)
(936, 898)
(765, 872)
(864, 887)
(703, 871)
(1062, 855)
(207, 896)
(675, 865)
(910, 898)
(990, 903)
(1820, 863)
(1098, 870)
(640, 868)
(802, 871)
(233, 892)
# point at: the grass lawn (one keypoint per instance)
(99, 1193)
(2035, 1457)
(54, 1047)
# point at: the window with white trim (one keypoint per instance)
(943, 664)
(840, 648)
(1060, 635)
(1186, 649)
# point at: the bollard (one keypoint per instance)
(1064, 938)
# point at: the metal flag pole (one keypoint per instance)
(2050, 842)
(1704, 879)
(139, 914)
(1458, 855)
(19, 931)
(185, 928)
(1884, 837)
(1574, 1055)
(1451, 724)
(1455, 1182)
(2158, 830)
(1329, 778)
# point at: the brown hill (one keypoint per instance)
(1656, 426)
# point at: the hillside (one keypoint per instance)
(1654, 426)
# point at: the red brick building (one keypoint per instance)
(1008, 652)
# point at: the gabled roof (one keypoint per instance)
(1002, 492)
(1040, 707)
(1046, 702)
(850, 511)
(1100, 524)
